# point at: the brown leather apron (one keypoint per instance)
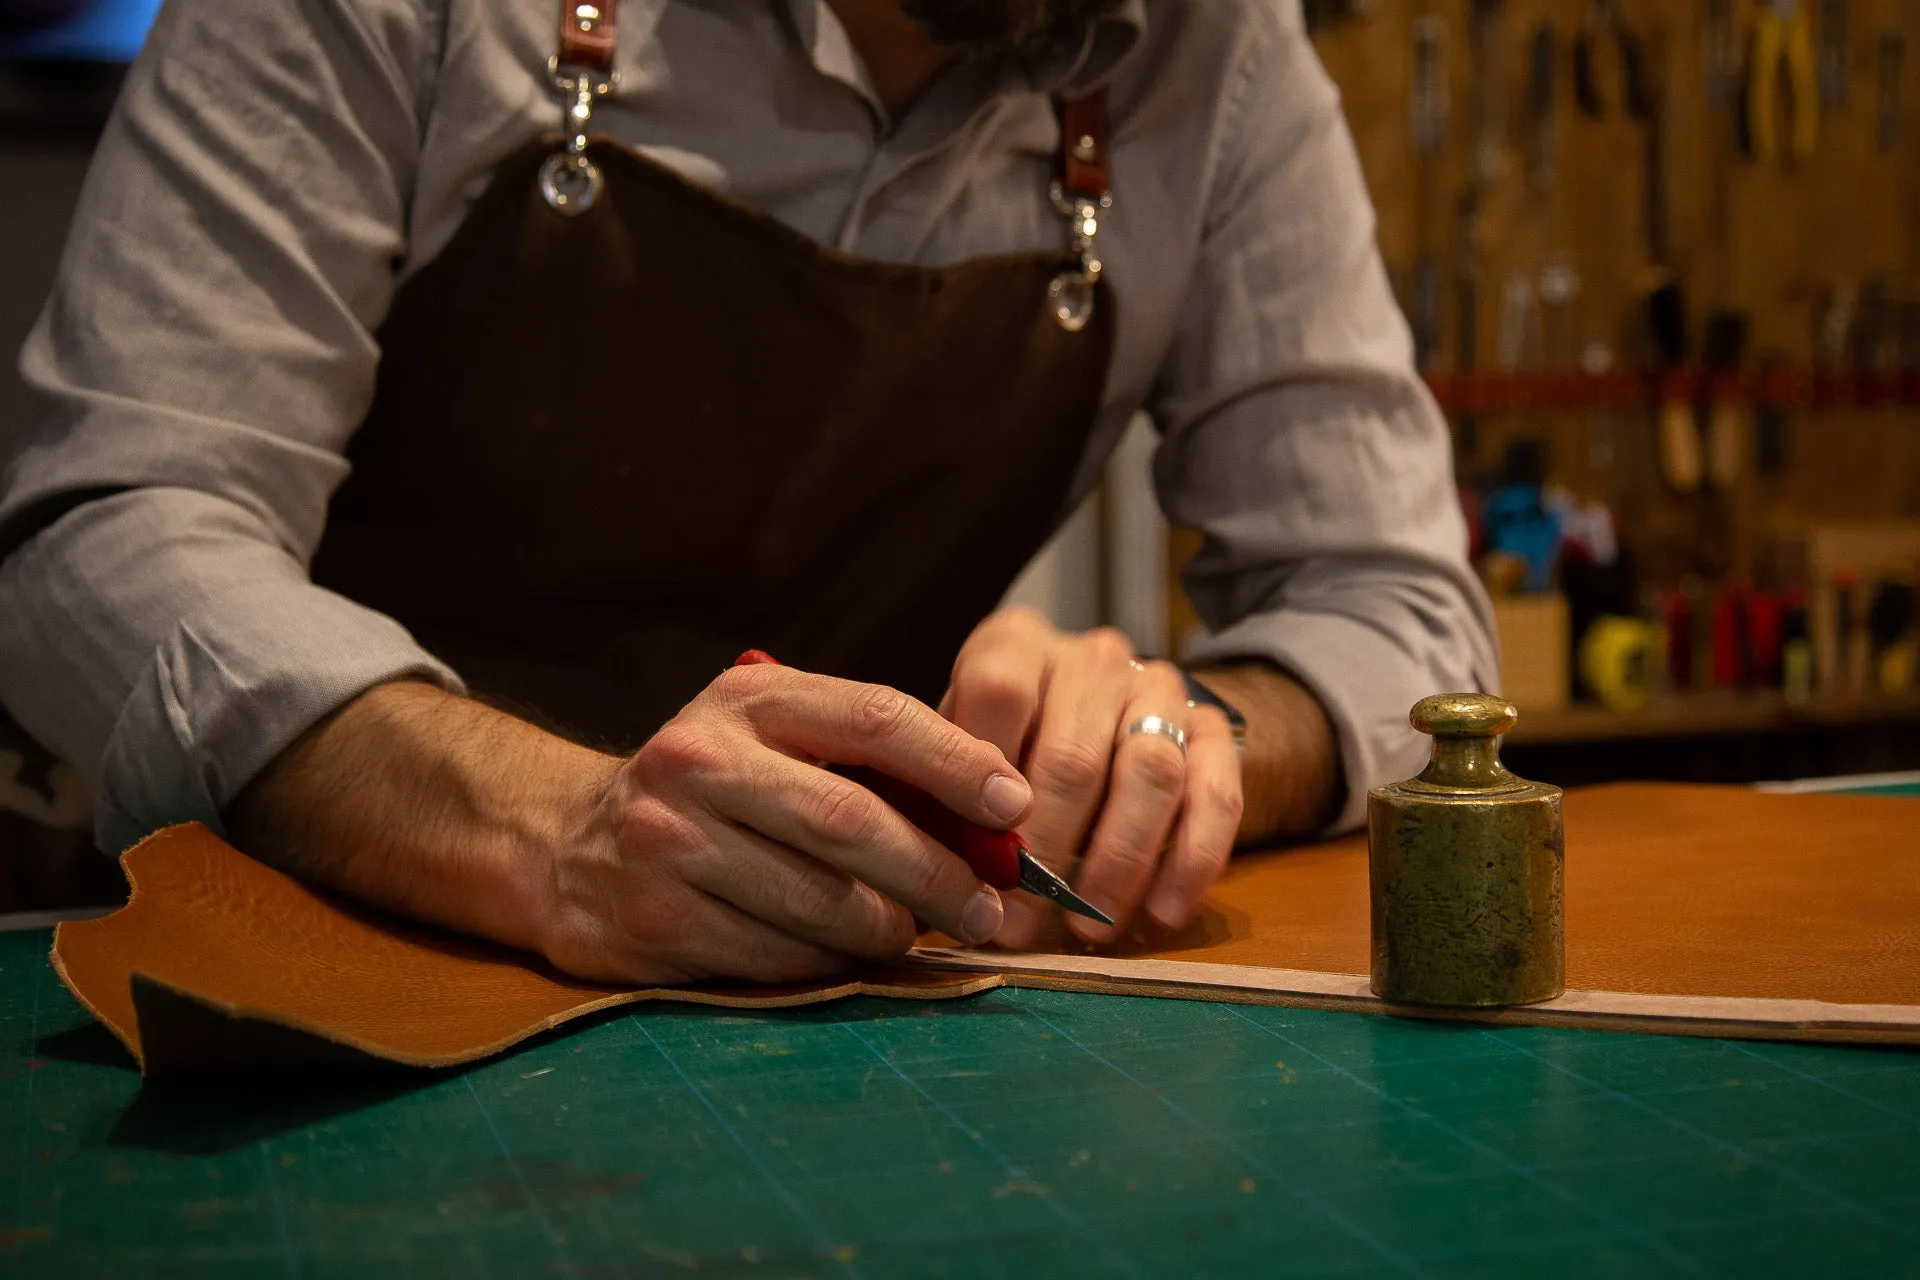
(626, 428)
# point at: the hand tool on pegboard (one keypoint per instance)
(1720, 55)
(1560, 289)
(1543, 109)
(1655, 101)
(1597, 360)
(1676, 621)
(1890, 65)
(1907, 341)
(1327, 15)
(1490, 93)
(1836, 53)
(1765, 625)
(1833, 319)
(1730, 667)
(1857, 328)
(1603, 33)
(1487, 167)
(1681, 462)
(1852, 646)
(1664, 310)
(1782, 60)
(1427, 116)
(1701, 600)
(1427, 112)
(1796, 649)
(1890, 615)
(1772, 423)
(1518, 340)
(1723, 349)
(1425, 304)
(1471, 267)
(1427, 98)
(1875, 341)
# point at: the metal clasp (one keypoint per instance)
(1072, 292)
(570, 180)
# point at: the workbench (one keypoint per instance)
(1018, 1133)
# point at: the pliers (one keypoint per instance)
(1604, 22)
(1782, 39)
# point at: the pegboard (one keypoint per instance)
(1770, 240)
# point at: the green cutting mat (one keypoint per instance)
(1015, 1134)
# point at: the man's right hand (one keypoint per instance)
(721, 849)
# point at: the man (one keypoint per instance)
(362, 390)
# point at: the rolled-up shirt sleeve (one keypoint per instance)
(206, 355)
(1300, 441)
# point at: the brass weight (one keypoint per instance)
(1466, 863)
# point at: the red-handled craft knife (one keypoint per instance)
(1000, 858)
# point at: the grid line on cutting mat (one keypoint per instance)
(1168, 1128)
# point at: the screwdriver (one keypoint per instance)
(1000, 858)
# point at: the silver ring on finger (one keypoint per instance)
(1156, 726)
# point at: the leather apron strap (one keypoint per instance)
(582, 70)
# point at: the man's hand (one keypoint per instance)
(721, 849)
(1059, 705)
(1145, 827)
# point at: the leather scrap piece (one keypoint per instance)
(221, 962)
(1690, 910)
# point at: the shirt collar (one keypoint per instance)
(826, 44)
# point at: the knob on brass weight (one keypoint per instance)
(1466, 863)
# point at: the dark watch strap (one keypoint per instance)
(1200, 695)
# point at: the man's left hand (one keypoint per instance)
(1157, 825)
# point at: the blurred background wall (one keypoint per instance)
(1662, 263)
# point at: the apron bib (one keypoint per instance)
(625, 428)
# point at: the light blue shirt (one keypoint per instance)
(274, 172)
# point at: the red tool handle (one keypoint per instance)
(994, 856)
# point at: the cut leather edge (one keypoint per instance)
(744, 999)
(154, 991)
(377, 1054)
(184, 1033)
(1728, 1017)
(128, 1037)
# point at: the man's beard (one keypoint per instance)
(987, 28)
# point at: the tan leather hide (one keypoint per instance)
(1693, 910)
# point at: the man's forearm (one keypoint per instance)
(1291, 770)
(430, 805)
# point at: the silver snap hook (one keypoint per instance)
(1071, 292)
(1071, 295)
(570, 183)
